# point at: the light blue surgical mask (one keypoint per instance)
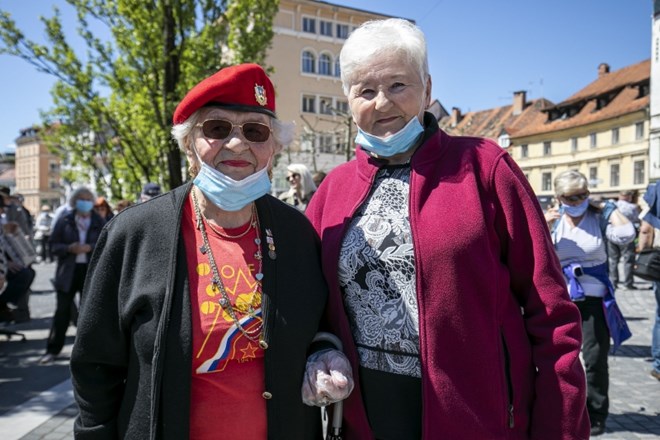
(396, 143)
(229, 194)
(84, 206)
(576, 211)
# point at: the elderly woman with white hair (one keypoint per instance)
(302, 186)
(581, 229)
(72, 241)
(201, 305)
(444, 287)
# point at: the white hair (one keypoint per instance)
(75, 195)
(375, 38)
(570, 181)
(307, 185)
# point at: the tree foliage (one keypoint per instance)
(113, 105)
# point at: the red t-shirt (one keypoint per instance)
(227, 367)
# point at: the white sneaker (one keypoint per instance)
(47, 359)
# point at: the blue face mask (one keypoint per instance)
(396, 143)
(229, 194)
(576, 211)
(84, 206)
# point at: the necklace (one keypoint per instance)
(248, 309)
(251, 223)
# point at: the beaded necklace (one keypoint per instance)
(224, 301)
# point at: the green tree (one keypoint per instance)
(112, 107)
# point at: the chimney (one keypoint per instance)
(519, 102)
(603, 69)
(456, 116)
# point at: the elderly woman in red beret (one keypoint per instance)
(201, 304)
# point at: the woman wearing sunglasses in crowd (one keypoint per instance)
(202, 303)
(580, 230)
(301, 184)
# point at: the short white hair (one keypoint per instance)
(377, 37)
(570, 181)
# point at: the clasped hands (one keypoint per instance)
(328, 378)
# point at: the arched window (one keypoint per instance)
(308, 62)
(325, 65)
(337, 68)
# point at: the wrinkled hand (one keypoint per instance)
(551, 215)
(328, 378)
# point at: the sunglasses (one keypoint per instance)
(220, 129)
(576, 197)
(292, 177)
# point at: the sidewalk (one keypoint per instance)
(36, 402)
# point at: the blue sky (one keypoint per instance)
(480, 51)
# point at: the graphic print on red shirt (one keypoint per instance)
(227, 367)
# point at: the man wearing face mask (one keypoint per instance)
(580, 232)
(71, 242)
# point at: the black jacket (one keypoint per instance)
(131, 362)
(65, 232)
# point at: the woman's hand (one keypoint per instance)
(328, 378)
(551, 215)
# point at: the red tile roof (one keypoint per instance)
(622, 89)
(492, 122)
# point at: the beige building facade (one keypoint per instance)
(37, 172)
(601, 131)
(308, 36)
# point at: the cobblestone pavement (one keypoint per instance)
(36, 402)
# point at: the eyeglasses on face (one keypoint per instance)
(292, 177)
(576, 197)
(220, 129)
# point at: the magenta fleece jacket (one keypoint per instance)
(499, 336)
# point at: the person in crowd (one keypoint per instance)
(123, 204)
(444, 288)
(44, 225)
(72, 242)
(149, 191)
(301, 185)
(318, 177)
(201, 305)
(649, 237)
(17, 277)
(103, 209)
(581, 231)
(623, 253)
(15, 212)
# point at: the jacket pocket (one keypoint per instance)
(509, 381)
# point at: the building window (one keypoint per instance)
(342, 106)
(308, 62)
(325, 65)
(592, 140)
(504, 141)
(524, 151)
(639, 130)
(325, 106)
(326, 143)
(574, 144)
(615, 136)
(638, 172)
(593, 177)
(342, 31)
(547, 148)
(309, 25)
(614, 174)
(308, 104)
(326, 28)
(546, 181)
(337, 68)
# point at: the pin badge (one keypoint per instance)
(260, 94)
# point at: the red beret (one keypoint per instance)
(244, 87)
